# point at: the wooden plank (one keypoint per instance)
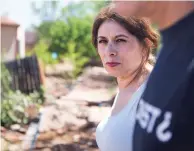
(25, 74)
(32, 73)
(36, 72)
(19, 73)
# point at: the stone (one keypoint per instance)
(58, 140)
(76, 138)
(45, 136)
(3, 129)
(97, 73)
(31, 111)
(46, 149)
(14, 147)
(41, 144)
(59, 69)
(4, 144)
(87, 126)
(92, 143)
(68, 138)
(96, 114)
(66, 147)
(81, 93)
(13, 137)
(22, 130)
(15, 127)
(54, 117)
(61, 131)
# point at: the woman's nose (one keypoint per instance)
(111, 50)
(112, 54)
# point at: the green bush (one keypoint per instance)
(13, 107)
(77, 58)
(69, 34)
(13, 104)
(41, 50)
(5, 80)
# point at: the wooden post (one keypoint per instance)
(42, 73)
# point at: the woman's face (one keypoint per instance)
(120, 51)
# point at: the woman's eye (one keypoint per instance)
(120, 40)
(102, 41)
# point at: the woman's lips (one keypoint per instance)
(112, 64)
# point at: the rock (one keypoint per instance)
(97, 73)
(3, 129)
(46, 149)
(55, 88)
(92, 143)
(13, 137)
(66, 147)
(87, 126)
(45, 136)
(61, 69)
(14, 147)
(68, 138)
(76, 138)
(58, 140)
(22, 130)
(76, 108)
(15, 127)
(41, 144)
(58, 93)
(31, 111)
(96, 114)
(83, 141)
(80, 93)
(61, 131)
(96, 77)
(54, 117)
(4, 144)
(92, 130)
(64, 102)
(49, 99)
(50, 119)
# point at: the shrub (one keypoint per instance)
(13, 104)
(13, 107)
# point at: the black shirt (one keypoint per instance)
(165, 114)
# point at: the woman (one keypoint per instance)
(124, 46)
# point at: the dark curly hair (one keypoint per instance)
(139, 27)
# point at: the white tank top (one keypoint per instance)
(115, 132)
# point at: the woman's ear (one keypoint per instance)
(144, 55)
(151, 59)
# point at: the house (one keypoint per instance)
(31, 39)
(9, 42)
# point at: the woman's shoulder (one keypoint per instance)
(140, 90)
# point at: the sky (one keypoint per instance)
(20, 11)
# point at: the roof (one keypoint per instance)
(31, 37)
(8, 22)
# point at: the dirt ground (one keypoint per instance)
(71, 113)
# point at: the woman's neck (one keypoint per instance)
(129, 83)
(125, 82)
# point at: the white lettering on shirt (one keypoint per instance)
(147, 115)
(160, 131)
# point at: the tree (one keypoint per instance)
(69, 34)
(46, 10)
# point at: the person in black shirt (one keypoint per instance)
(165, 114)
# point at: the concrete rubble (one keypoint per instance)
(69, 119)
